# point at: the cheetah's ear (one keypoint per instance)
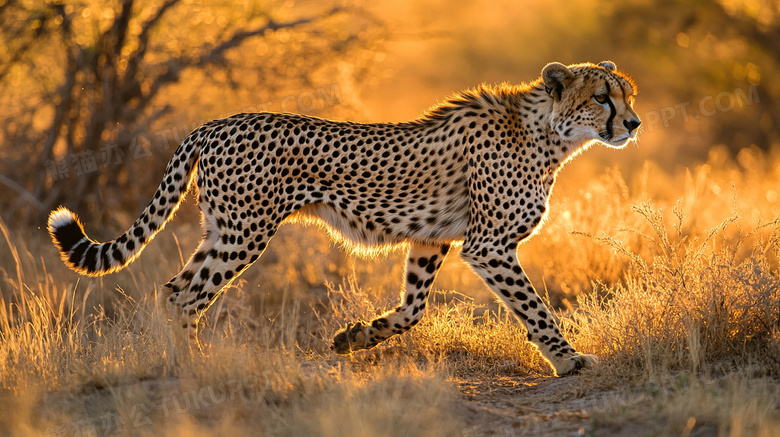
(609, 65)
(556, 77)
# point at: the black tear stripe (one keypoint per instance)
(612, 112)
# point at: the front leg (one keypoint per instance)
(502, 272)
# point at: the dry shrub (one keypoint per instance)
(688, 301)
(562, 256)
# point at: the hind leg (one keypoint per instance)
(170, 291)
(229, 256)
(422, 264)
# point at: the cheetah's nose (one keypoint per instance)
(631, 125)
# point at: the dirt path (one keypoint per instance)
(545, 406)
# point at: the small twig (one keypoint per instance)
(26, 195)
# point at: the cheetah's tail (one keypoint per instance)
(92, 258)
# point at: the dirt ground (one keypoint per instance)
(502, 406)
(542, 406)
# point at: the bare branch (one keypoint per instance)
(174, 67)
(134, 60)
(149, 24)
(239, 37)
(65, 93)
(27, 42)
(26, 195)
(125, 136)
(121, 24)
(104, 68)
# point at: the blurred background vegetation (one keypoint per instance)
(662, 258)
(94, 96)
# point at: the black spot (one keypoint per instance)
(117, 254)
(380, 323)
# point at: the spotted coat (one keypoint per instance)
(477, 169)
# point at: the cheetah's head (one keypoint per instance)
(591, 102)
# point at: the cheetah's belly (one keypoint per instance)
(378, 230)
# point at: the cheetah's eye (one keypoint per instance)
(600, 98)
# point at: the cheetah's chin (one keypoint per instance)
(619, 143)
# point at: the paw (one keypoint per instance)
(354, 338)
(572, 364)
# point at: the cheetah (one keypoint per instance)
(476, 169)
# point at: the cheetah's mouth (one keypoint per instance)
(608, 138)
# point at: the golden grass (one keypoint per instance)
(701, 298)
(680, 297)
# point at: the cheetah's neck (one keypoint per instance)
(534, 107)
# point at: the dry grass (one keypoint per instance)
(700, 299)
(680, 299)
